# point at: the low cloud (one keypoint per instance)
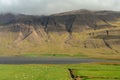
(42, 7)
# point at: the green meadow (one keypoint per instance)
(90, 71)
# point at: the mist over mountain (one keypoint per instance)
(47, 7)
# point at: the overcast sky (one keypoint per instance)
(40, 7)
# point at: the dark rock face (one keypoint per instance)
(73, 21)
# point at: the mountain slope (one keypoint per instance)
(73, 33)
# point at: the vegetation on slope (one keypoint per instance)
(84, 33)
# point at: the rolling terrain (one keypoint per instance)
(86, 33)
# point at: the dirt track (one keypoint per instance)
(48, 60)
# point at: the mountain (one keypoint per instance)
(79, 32)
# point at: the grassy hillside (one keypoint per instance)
(78, 33)
(89, 43)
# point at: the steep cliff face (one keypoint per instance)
(81, 29)
(68, 21)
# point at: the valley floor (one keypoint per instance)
(89, 71)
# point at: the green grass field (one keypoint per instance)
(59, 72)
(33, 72)
(99, 72)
